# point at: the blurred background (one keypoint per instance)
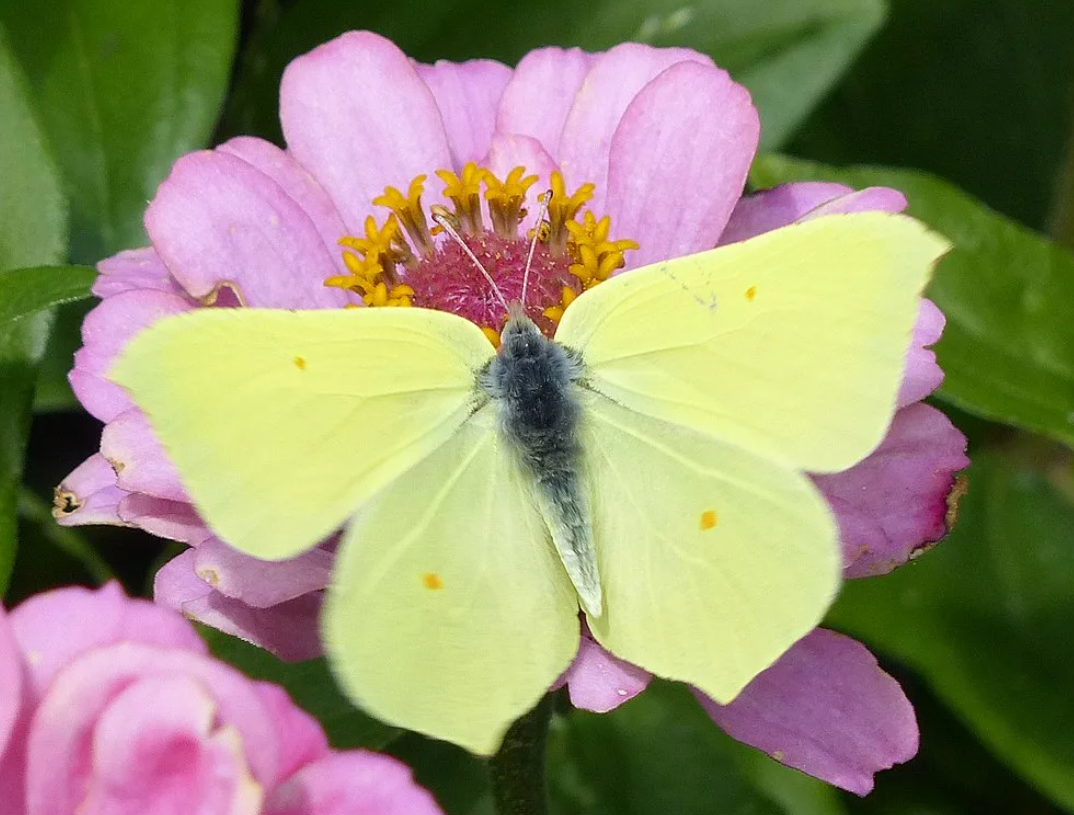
(965, 105)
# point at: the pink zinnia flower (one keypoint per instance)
(111, 705)
(647, 152)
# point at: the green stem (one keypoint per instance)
(518, 769)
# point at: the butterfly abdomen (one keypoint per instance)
(533, 380)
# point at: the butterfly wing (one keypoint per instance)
(450, 612)
(282, 423)
(791, 344)
(714, 559)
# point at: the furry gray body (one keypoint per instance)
(533, 380)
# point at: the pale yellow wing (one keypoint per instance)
(282, 423)
(792, 343)
(714, 560)
(450, 612)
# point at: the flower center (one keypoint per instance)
(403, 261)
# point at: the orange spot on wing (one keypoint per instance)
(751, 292)
(300, 363)
(432, 581)
(708, 519)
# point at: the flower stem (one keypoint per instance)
(518, 769)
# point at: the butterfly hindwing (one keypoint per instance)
(450, 612)
(791, 344)
(714, 559)
(282, 423)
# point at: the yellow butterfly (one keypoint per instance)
(647, 464)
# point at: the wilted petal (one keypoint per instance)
(611, 84)
(150, 758)
(89, 495)
(468, 95)
(922, 375)
(218, 221)
(600, 682)
(290, 630)
(352, 783)
(541, 92)
(54, 628)
(297, 182)
(894, 502)
(84, 690)
(357, 115)
(134, 270)
(139, 460)
(174, 520)
(770, 209)
(261, 583)
(669, 190)
(105, 332)
(826, 709)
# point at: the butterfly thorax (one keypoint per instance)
(533, 382)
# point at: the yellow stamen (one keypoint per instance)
(506, 199)
(407, 208)
(464, 191)
(561, 209)
(492, 334)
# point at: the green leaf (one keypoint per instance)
(1008, 294)
(122, 89)
(27, 291)
(986, 619)
(311, 686)
(978, 91)
(657, 753)
(789, 53)
(33, 229)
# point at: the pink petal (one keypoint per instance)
(89, 495)
(770, 209)
(82, 692)
(296, 181)
(139, 460)
(600, 682)
(217, 220)
(11, 669)
(174, 520)
(541, 92)
(150, 758)
(614, 79)
(353, 783)
(923, 375)
(894, 502)
(55, 628)
(290, 630)
(134, 270)
(261, 583)
(826, 709)
(870, 199)
(105, 332)
(468, 95)
(668, 189)
(357, 115)
(299, 735)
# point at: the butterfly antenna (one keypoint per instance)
(544, 198)
(443, 219)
